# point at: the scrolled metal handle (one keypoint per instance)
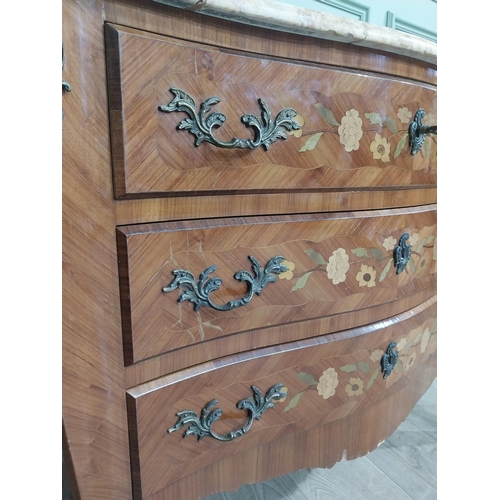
(417, 131)
(202, 426)
(198, 292)
(200, 125)
(389, 359)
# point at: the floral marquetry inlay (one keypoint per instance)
(328, 382)
(366, 277)
(404, 115)
(369, 266)
(338, 265)
(380, 148)
(287, 275)
(352, 127)
(352, 377)
(329, 128)
(350, 130)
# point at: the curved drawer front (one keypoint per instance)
(335, 263)
(354, 127)
(322, 380)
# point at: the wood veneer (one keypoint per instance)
(192, 355)
(154, 322)
(190, 26)
(322, 446)
(211, 206)
(95, 379)
(152, 157)
(93, 395)
(326, 379)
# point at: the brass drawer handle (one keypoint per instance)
(389, 359)
(198, 292)
(417, 131)
(266, 132)
(402, 253)
(202, 426)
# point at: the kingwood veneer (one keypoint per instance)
(328, 202)
(151, 157)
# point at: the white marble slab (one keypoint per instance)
(283, 17)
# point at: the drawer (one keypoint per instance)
(172, 296)
(353, 127)
(190, 420)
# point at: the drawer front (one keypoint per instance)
(330, 378)
(335, 263)
(353, 126)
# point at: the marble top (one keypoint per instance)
(283, 17)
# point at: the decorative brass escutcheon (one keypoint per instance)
(389, 359)
(417, 131)
(402, 253)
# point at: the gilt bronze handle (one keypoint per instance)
(200, 125)
(417, 131)
(198, 291)
(202, 426)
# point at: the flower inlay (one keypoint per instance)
(328, 382)
(354, 387)
(350, 130)
(380, 148)
(300, 121)
(338, 265)
(389, 243)
(366, 277)
(354, 375)
(287, 275)
(404, 115)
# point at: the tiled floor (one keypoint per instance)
(402, 468)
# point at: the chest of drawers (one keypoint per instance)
(249, 247)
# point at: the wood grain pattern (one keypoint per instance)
(93, 399)
(160, 209)
(191, 26)
(389, 477)
(154, 322)
(150, 156)
(195, 354)
(328, 380)
(95, 380)
(322, 446)
(390, 471)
